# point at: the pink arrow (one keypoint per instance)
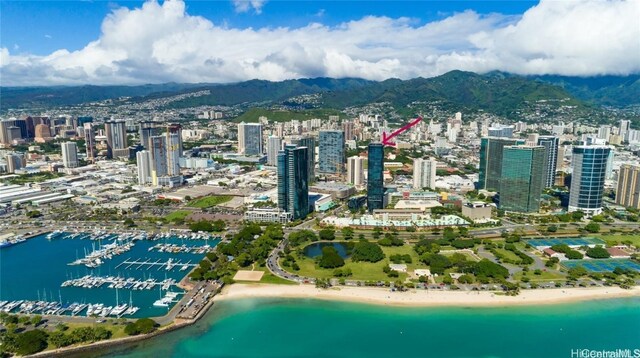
(386, 138)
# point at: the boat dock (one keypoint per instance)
(90, 281)
(148, 264)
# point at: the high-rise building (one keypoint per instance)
(375, 177)
(347, 127)
(89, 141)
(14, 133)
(310, 143)
(501, 131)
(116, 133)
(623, 130)
(158, 157)
(355, 170)
(70, 154)
(143, 160)
(274, 146)
(173, 154)
(293, 184)
(176, 128)
(628, 193)
(43, 133)
(424, 173)
(14, 162)
(521, 183)
(147, 129)
(550, 144)
(331, 152)
(491, 161)
(589, 165)
(4, 126)
(84, 119)
(250, 138)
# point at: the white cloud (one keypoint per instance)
(161, 43)
(246, 5)
(48, 36)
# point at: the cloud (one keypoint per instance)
(162, 43)
(47, 36)
(246, 5)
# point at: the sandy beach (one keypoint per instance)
(381, 296)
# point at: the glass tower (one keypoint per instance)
(491, 161)
(550, 144)
(332, 156)
(310, 143)
(375, 177)
(589, 163)
(521, 183)
(293, 184)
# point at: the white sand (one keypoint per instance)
(382, 296)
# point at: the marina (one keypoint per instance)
(141, 273)
(130, 283)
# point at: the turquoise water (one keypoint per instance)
(36, 268)
(313, 328)
(315, 249)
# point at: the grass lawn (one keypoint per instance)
(362, 270)
(466, 254)
(509, 255)
(635, 239)
(210, 201)
(270, 278)
(544, 277)
(177, 215)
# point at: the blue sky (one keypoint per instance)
(41, 27)
(100, 42)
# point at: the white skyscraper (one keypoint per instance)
(250, 138)
(70, 155)
(623, 131)
(274, 145)
(355, 170)
(424, 173)
(143, 158)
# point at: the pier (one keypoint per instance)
(148, 264)
(90, 281)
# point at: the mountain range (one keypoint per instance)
(495, 92)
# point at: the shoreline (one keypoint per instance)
(420, 298)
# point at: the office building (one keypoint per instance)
(628, 191)
(310, 143)
(424, 173)
(375, 177)
(293, 184)
(4, 133)
(491, 161)
(355, 170)
(143, 160)
(116, 133)
(70, 154)
(521, 183)
(14, 134)
(250, 138)
(89, 141)
(158, 157)
(274, 146)
(331, 156)
(589, 165)
(550, 144)
(173, 154)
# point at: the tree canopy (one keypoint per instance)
(367, 251)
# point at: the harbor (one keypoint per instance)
(130, 263)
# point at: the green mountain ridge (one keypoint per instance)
(495, 92)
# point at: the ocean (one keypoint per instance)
(314, 328)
